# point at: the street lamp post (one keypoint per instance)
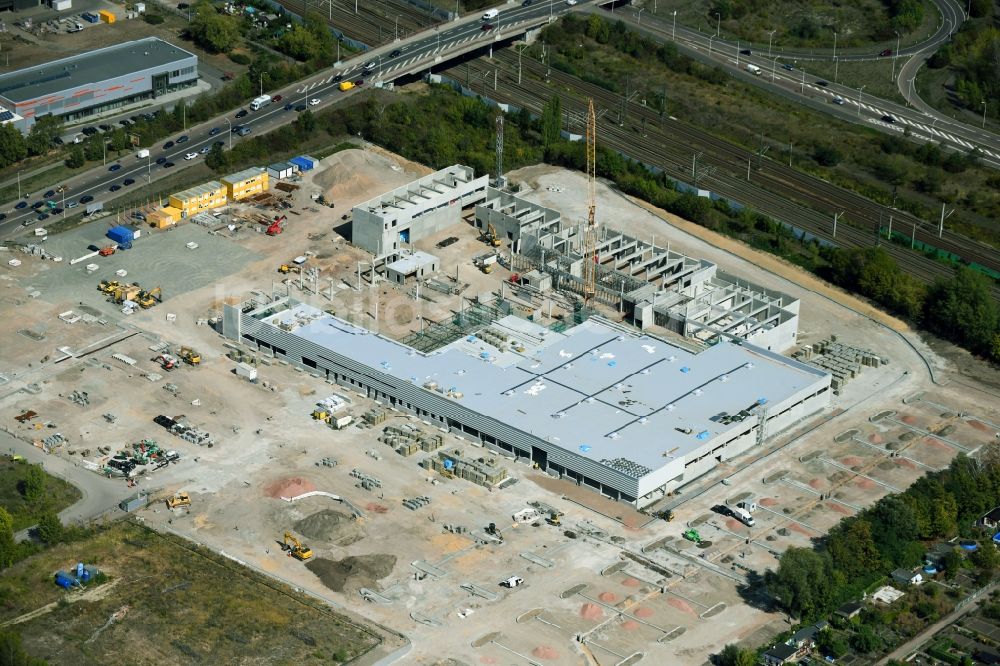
(984, 114)
(710, 38)
(230, 127)
(718, 23)
(836, 63)
(149, 168)
(639, 16)
(770, 38)
(895, 54)
(673, 30)
(396, 29)
(774, 64)
(737, 54)
(860, 90)
(18, 184)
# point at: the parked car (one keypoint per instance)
(37, 205)
(21, 204)
(161, 159)
(300, 108)
(71, 204)
(168, 145)
(205, 150)
(105, 128)
(167, 165)
(42, 217)
(115, 188)
(289, 107)
(89, 131)
(57, 210)
(3, 216)
(49, 194)
(277, 98)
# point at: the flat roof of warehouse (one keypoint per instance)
(88, 68)
(597, 389)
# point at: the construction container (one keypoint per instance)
(90, 18)
(246, 183)
(246, 371)
(62, 5)
(281, 170)
(121, 235)
(304, 162)
(106, 16)
(94, 207)
(133, 503)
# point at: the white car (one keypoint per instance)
(206, 150)
(570, 2)
(191, 156)
(314, 101)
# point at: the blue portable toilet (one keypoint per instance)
(79, 569)
(449, 464)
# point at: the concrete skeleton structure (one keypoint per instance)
(625, 413)
(651, 285)
(97, 81)
(388, 223)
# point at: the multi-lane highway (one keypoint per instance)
(418, 52)
(779, 74)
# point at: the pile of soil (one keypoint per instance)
(330, 525)
(608, 597)
(590, 611)
(290, 487)
(644, 612)
(545, 652)
(352, 572)
(681, 605)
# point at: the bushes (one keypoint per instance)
(152, 19)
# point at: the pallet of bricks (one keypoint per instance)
(482, 471)
(842, 361)
(407, 440)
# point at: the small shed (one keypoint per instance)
(806, 637)
(780, 655)
(850, 610)
(415, 265)
(887, 595)
(281, 170)
(907, 577)
(246, 371)
(991, 519)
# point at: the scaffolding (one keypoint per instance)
(464, 323)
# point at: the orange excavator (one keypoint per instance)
(277, 226)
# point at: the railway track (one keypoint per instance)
(376, 23)
(670, 148)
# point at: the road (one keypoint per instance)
(780, 76)
(418, 52)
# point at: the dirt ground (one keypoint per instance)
(607, 574)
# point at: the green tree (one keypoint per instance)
(952, 562)
(217, 159)
(733, 655)
(42, 133)
(831, 643)
(32, 486)
(75, 159)
(13, 148)
(7, 545)
(50, 529)
(962, 310)
(802, 582)
(866, 640)
(306, 122)
(299, 43)
(94, 147)
(213, 31)
(551, 121)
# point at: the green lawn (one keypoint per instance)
(57, 494)
(179, 604)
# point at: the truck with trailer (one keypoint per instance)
(753, 69)
(259, 103)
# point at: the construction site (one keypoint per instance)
(542, 426)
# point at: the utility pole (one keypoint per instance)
(860, 90)
(836, 217)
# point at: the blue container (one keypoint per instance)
(970, 546)
(121, 235)
(64, 580)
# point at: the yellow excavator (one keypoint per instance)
(490, 236)
(295, 548)
(189, 356)
(108, 286)
(148, 299)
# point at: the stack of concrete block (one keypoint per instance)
(842, 361)
(416, 502)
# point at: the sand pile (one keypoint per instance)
(630, 625)
(852, 461)
(865, 484)
(817, 483)
(608, 597)
(590, 611)
(875, 438)
(353, 174)
(630, 582)
(291, 487)
(908, 419)
(681, 605)
(767, 501)
(545, 652)
(352, 572)
(643, 612)
(330, 525)
(373, 507)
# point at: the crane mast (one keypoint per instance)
(590, 232)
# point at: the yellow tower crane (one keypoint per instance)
(590, 233)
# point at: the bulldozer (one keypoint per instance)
(284, 269)
(189, 356)
(178, 500)
(553, 519)
(295, 549)
(147, 299)
(108, 286)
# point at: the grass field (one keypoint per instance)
(874, 75)
(173, 603)
(58, 494)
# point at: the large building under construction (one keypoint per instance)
(625, 413)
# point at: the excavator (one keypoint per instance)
(108, 286)
(189, 356)
(295, 549)
(147, 299)
(277, 226)
(166, 361)
(490, 236)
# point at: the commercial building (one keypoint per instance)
(387, 223)
(246, 183)
(198, 198)
(624, 413)
(95, 82)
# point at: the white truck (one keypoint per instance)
(142, 154)
(491, 14)
(259, 103)
(753, 69)
(512, 582)
(743, 516)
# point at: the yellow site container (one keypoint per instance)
(106, 16)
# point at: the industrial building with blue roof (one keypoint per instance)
(628, 414)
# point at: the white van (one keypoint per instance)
(491, 14)
(142, 154)
(743, 516)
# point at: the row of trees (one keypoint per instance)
(861, 550)
(974, 56)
